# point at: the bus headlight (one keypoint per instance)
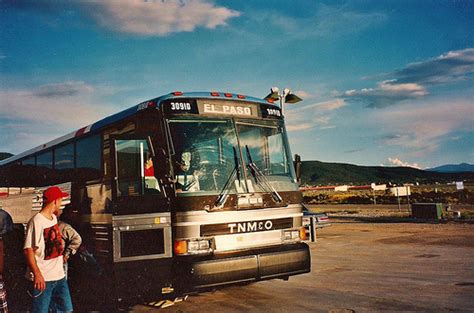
(291, 235)
(193, 246)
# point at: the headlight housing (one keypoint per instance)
(293, 234)
(194, 246)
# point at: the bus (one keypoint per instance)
(187, 191)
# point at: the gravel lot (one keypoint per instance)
(360, 266)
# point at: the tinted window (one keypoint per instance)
(64, 157)
(45, 159)
(88, 153)
(29, 161)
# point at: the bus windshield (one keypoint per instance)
(206, 153)
(203, 154)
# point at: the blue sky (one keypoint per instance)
(383, 82)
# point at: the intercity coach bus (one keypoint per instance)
(185, 191)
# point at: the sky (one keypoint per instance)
(384, 82)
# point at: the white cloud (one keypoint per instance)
(292, 127)
(31, 117)
(66, 89)
(311, 116)
(387, 93)
(447, 68)
(64, 104)
(337, 20)
(328, 21)
(139, 17)
(424, 126)
(413, 81)
(157, 18)
(303, 94)
(398, 162)
(407, 89)
(331, 105)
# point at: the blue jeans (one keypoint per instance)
(56, 297)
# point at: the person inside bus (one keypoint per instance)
(151, 183)
(149, 169)
(186, 177)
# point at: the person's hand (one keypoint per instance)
(39, 282)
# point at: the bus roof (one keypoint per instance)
(130, 112)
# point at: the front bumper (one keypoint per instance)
(248, 266)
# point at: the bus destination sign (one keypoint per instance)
(220, 107)
(227, 108)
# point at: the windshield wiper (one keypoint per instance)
(224, 194)
(260, 178)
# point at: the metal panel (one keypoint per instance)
(129, 223)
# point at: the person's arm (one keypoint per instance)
(39, 282)
(73, 240)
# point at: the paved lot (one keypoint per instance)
(363, 266)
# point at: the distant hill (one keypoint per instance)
(5, 155)
(321, 173)
(453, 168)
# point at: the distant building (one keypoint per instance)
(401, 191)
(341, 188)
(378, 187)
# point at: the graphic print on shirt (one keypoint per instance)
(53, 245)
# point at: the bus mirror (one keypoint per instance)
(297, 165)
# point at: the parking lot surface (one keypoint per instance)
(360, 266)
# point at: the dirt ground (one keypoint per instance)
(360, 266)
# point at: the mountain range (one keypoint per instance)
(5, 155)
(322, 173)
(453, 168)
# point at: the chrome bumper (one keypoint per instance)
(281, 262)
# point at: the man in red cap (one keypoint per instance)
(44, 255)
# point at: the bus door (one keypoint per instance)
(141, 218)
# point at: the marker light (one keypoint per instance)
(215, 94)
(180, 247)
(241, 96)
(270, 100)
(303, 233)
(228, 95)
(177, 93)
(151, 104)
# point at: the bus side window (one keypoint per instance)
(135, 168)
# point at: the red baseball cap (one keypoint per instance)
(53, 193)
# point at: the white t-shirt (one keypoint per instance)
(44, 234)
